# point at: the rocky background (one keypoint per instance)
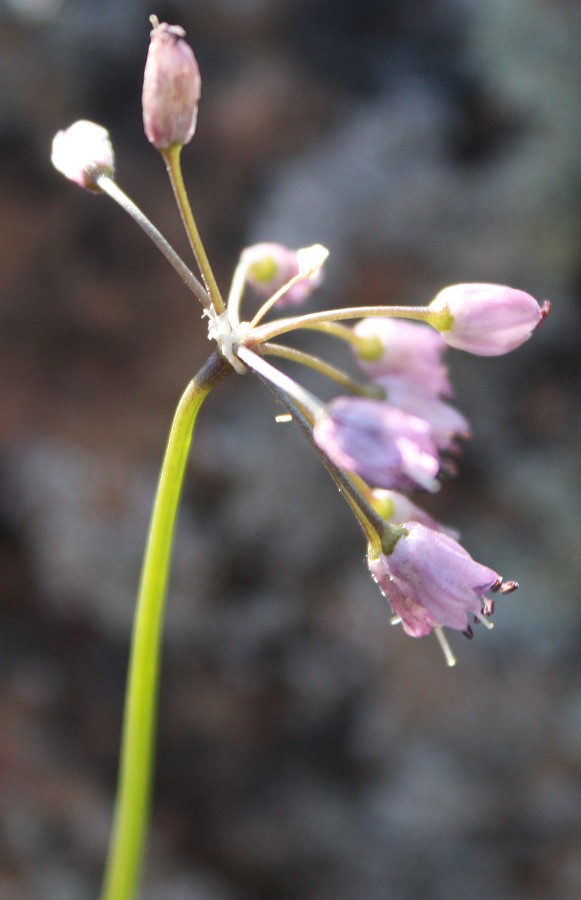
(307, 751)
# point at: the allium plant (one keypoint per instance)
(388, 432)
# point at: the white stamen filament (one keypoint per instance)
(486, 622)
(446, 649)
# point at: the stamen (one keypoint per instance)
(545, 310)
(446, 649)
(488, 607)
(507, 587)
(284, 417)
(468, 633)
(486, 622)
(395, 620)
(504, 587)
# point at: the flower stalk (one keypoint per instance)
(137, 749)
(172, 158)
(112, 189)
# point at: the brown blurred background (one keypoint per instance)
(307, 751)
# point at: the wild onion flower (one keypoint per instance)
(382, 444)
(486, 319)
(385, 434)
(432, 582)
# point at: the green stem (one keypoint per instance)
(137, 749)
(172, 157)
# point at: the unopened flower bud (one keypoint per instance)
(270, 266)
(171, 87)
(486, 319)
(82, 152)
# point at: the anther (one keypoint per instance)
(507, 587)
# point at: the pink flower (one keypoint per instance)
(431, 581)
(271, 266)
(82, 152)
(410, 349)
(486, 319)
(417, 399)
(171, 87)
(385, 446)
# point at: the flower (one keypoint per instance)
(431, 581)
(395, 347)
(82, 152)
(270, 266)
(486, 319)
(171, 87)
(385, 446)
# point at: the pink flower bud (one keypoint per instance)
(82, 152)
(171, 88)
(397, 347)
(271, 266)
(486, 319)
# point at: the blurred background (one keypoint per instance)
(307, 751)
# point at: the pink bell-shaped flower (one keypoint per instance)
(431, 581)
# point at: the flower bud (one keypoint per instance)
(486, 319)
(270, 266)
(82, 152)
(396, 347)
(171, 87)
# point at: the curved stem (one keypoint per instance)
(112, 189)
(172, 158)
(137, 749)
(282, 326)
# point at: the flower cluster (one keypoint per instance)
(389, 431)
